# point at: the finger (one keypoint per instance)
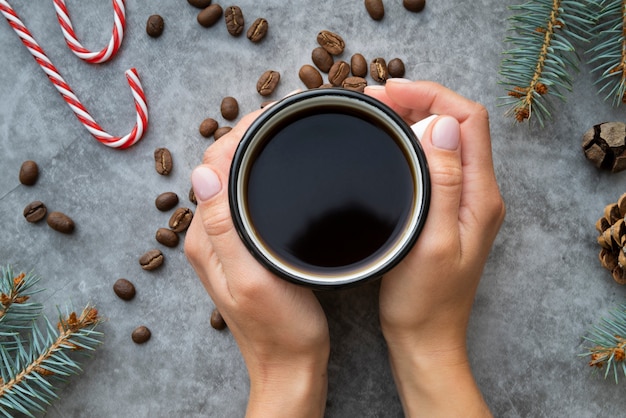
(441, 144)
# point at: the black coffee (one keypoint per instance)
(329, 189)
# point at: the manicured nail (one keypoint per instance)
(375, 87)
(205, 183)
(446, 133)
(399, 80)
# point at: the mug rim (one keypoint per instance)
(402, 243)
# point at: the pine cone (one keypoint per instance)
(612, 239)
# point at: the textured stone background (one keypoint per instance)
(542, 288)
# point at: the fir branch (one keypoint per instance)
(540, 63)
(16, 311)
(608, 341)
(609, 52)
(25, 385)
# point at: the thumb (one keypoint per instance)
(441, 143)
(214, 211)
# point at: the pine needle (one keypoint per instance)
(609, 51)
(542, 58)
(608, 344)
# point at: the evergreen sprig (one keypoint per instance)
(17, 310)
(609, 50)
(542, 58)
(27, 371)
(608, 344)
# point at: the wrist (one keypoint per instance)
(288, 390)
(436, 382)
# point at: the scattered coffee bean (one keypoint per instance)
(167, 237)
(326, 86)
(378, 70)
(354, 83)
(124, 289)
(180, 219)
(375, 9)
(217, 321)
(192, 196)
(35, 211)
(258, 30)
(331, 42)
(267, 82)
(208, 127)
(200, 4)
(141, 335)
(155, 25)
(310, 76)
(166, 201)
(338, 72)
(163, 161)
(234, 20)
(322, 59)
(414, 5)
(220, 132)
(358, 64)
(151, 260)
(210, 15)
(60, 222)
(395, 67)
(229, 108)
(29, 173)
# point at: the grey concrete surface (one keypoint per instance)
(542, 287)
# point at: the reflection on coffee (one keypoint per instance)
(329, 189)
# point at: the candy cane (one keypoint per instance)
(70, 98)
(76, 47)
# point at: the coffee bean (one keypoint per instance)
(331, 42)
(155, 25)
(358, 64)
(35, 211)
(310, 76)
(141, 335)
(192, 196)
(167, 237)
(229, 108)
(414, 5)
(208, 127)
(29, 173)
(200, 4)
(217, 321)
(378, 70)
(322, 59)
(326, 86)
(180, 219)
(210, 15)
(163, 161)
(151, 260)
(338, 72)
(395, 67)
(258, 30)
(166, 201)
(220, 132)
(354, 83)
(267, 82)
(124, 289)
(234, 20)
(375, 9)
(60, 222)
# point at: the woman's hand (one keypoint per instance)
(280, 328)
(425, 302)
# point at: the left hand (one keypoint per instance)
(279, 327)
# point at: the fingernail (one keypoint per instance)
(205, 183)
(446, 133)
(399, 80)
(375, 87)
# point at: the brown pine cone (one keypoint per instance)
(612, 239)
(605, 145)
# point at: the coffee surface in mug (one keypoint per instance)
(329, 189)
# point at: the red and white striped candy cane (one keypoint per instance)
(70, 98)
(119, 22)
